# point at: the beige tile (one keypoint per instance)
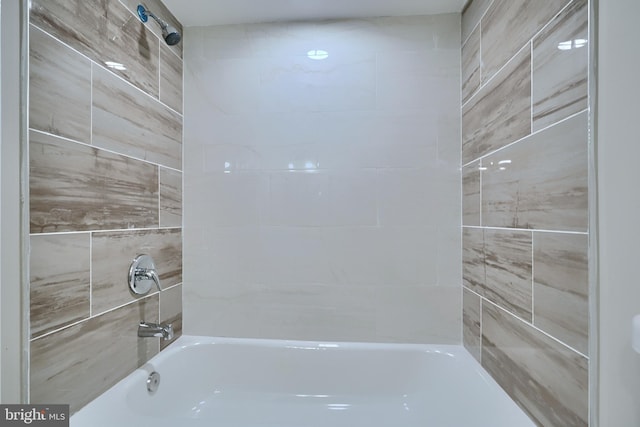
(544, 183)
(471, 16)
(74, 187)
(59, 88)
(549, 381)
(104, 31)
(77, 364)
(509, 25)
(471, 65)
(170, 79)
(171, 312)
(500, 113)
(508, 270)
(560, 56)
(471, 309)
(112, 255)
(128, 122)
(60, 280)
(561, 287)
(473, 260)
(158, 7)
(170, 198)
(471, 194)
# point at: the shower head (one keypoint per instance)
(169, 33)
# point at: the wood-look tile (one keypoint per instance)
(171, 312)
(471, 194)
(561, 287)
(471, 65)
(74, 187)
(60, 280)
(158, 7)
(473, 259)
(548, 380)
(560, 56)
(508, 25)
(509, 271)
(59, 88)
(471, 16)
(541, 182)
(106, 32)
(112, 255)
(129, 122)
(471, 309)
(77, 364)
(500, 112)
(170, 198)
(170, 79)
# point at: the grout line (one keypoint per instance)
(481, 329)
(114, 230)
(483, 227)
(480, 208)
(479, 21)
(533, 275)
(90, 274)
(91, 105)
(491, 153)
(159, 195)
(531, 89)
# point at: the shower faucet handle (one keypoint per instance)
(143, 275)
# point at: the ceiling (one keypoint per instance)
(220, 12)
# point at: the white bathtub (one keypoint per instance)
(263, 383)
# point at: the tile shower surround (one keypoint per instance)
(525, 201)
(105, 182)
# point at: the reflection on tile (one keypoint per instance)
(170, 198)
(114, 251)
(540, 182)
(500, 113)
(75, 187)
(171, 312)
(158, 7)
(560, 55)
(561, 287)
(473, 259)
(471, 308)
(77, 364)
(59, 88)
(60, 281)
(507, 27)
(107, 33)
(129, 122)
(471, 194)
(170, 79)
(549, 381)
(508, 270)
(472, 14)
(471, 65)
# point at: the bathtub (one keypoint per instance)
(227, 382)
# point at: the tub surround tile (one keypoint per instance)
(171, 312)
(473, 259)
(59, 88)
(114, 251)
(104, 32)
(471, 16)
(170, 198)
(471, 65)
(508, 25)
(60, 281)
(549, 381)
(471, 196)
(500, 112)
(170, 79)
(471, 332)
(131, 123)
(561, 287)
(560, 57)
(77, 364)
(74, 187)
(541, 182)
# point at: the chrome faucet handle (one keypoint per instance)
(167, 331)
(142, 275)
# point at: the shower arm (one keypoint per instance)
(163, 25)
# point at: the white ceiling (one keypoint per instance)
(220, 12)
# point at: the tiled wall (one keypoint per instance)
(525, 202)
(324, 195)
(105, 182)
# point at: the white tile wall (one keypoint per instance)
(322, 197)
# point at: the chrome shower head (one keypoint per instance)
(169, 33)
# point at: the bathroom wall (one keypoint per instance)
(105, 162)
(525, 151)
(323, 188)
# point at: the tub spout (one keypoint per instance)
(146, 330)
